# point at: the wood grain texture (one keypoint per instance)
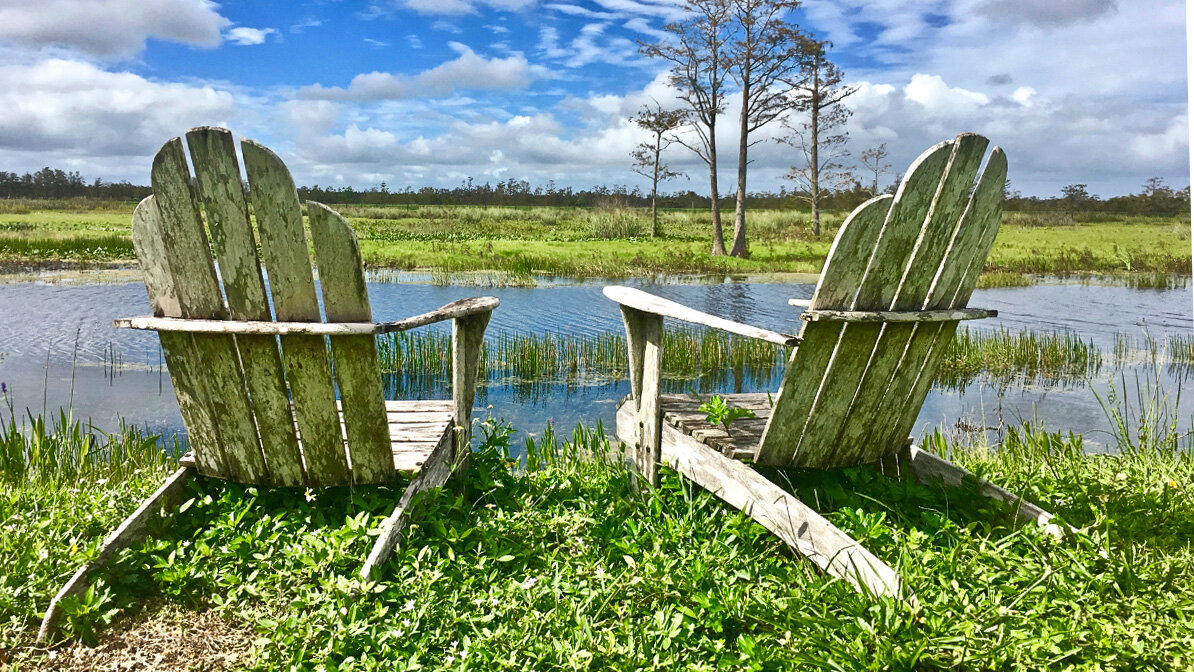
(346, 299)
(459, 308)
(871, 402)
(845, 267)
(217, 174)
(182, 359)
(897, 316)
(802, 529)
(649, 303)
(435, 472)
(130, 532)
(467, 334)
(292, 285)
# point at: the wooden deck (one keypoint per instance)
(416, 428)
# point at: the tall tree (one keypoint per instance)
(647, 155)
(766, 52)
(1076, 197)
(696, 49)
(818, 93)
(874, 160)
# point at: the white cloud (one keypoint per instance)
(446, 7)
(67, 110)
(110, 28)
(1046, 12)
(413, 41)
(244, 36)
(468, 71)
(1024, 95)
(940, 99)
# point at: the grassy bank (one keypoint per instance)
(559, 566)
(520, 242)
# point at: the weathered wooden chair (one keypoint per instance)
(895, 284)
(269, 402)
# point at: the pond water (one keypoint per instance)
(59, 348)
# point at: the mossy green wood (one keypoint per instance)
(809, 361)
(346, 299)
(284, 252)
(890, 356)
(199, 296)
(178, 348)
(954, 286)
(213, 154)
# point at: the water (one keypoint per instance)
(60, 349)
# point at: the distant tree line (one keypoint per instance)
(54, 183)
(1155, 197)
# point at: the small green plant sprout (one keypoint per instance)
(717, 412)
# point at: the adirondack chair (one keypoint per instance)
(268, 402)
(895, 285)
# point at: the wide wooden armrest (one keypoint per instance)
(649, 303)
(461, 308)
(948, 315)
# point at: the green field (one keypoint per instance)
(576, 242)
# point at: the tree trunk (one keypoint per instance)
(655, 187)
(814, 168)
(719, 243)
(739, 247)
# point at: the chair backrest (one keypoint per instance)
(259, 408)
(852, 391)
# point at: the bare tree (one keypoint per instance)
(819, 93)
(765, 53)
(697, 51)
(661, 123)
(873, 160)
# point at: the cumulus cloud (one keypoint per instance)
(939, 98)
(110, 28)
(244, 36)
(75, 108)
(468, 71)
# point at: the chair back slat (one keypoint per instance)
(191, 264)
(847, 385)
(358, 372)
(292, 286)
(178, 349)
(960, 270)
(218, 177)
(891, 359)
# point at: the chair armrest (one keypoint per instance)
(649, 303)
(456, 309)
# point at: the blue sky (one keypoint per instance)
(429, 92)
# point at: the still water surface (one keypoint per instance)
(58, 346)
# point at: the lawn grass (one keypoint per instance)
(557, 565)
(613, 243)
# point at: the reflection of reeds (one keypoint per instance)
(1005, 356)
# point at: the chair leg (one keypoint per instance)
(928, 468)
(131, 531)
(435, 472)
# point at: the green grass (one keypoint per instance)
(519, 243)
(560, 566)
(1030, 356)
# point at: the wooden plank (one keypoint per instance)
(798, 526)
(434, 473)
(346, 299)
(900, 316)
(398, 406)
(930, 469)
(649, 303)
(467, 334)
(845, 267)
(644, 336)
(199, 296)
(461, 308)
(952, 290)
(854, 437)
(292, 285)
(217, 174)
(893, 251)
(130, 532)
(182, 359)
